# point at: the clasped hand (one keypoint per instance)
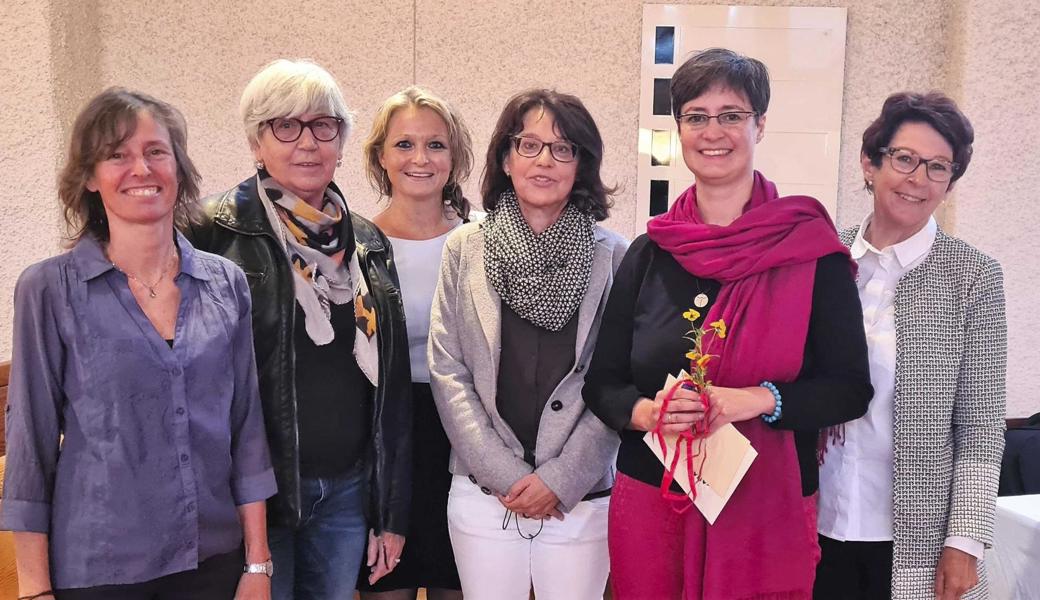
(685, 409)
(531, 498)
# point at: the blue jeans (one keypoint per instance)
(321, 559)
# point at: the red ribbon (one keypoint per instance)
(680, 502)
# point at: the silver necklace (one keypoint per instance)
(151, 288)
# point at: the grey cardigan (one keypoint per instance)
(574, 451)
(951, 359)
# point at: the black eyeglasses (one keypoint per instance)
(530, 147)
(324, 129)
(512, 516)
(906, 161)
(732, 118)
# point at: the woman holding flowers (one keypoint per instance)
(515, 318)
(935, 325)
(774, 286)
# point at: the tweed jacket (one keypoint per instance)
(574, 450)
(951, 359)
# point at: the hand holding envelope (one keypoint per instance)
(729, 456)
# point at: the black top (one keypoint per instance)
(641, 342)
(532, 363)
(331, 397)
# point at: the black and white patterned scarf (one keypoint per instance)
(541, 277)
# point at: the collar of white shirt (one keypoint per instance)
(907, 252)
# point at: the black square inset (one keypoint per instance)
(662, 97)
(664, 46)
(658, 196)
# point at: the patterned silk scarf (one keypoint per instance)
(541, 277)
(319, 244)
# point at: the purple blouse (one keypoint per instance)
(160, 444)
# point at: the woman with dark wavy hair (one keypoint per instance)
(933, 312)
(514, 321)
(137, 461)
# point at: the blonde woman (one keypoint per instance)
(417, 155)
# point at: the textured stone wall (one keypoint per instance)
(199, 56)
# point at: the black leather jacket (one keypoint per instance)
(236, 226)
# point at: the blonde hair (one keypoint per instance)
(459, 144)
(291, 88)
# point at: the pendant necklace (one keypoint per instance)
(701, 299)
(151, 288)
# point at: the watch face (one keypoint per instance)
(267, 568)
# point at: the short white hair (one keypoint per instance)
(291, 88)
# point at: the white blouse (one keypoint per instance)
(856, 477)
(418, 267)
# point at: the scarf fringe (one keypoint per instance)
(834, 434)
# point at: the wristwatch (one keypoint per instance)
(266, 567)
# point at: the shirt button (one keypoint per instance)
(579, 368)
(184, 458)
(180, 411)
(191, 507)
(486, 490)
(190, 545)
(556, 405)
(472, 479)
(176, 371)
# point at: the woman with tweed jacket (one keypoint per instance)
(907, 498)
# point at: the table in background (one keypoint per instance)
(1013, 564)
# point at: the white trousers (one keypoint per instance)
(566, 560)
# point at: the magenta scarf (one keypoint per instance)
(763, 545)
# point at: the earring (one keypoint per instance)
(259, 165)
(339, 162)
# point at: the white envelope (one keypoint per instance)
(729, 456)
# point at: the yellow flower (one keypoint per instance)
(720, 328)
(691, 315)
(693, 355)
(703, 361)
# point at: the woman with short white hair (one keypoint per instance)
(331, 347)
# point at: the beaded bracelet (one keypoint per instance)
(773, 418)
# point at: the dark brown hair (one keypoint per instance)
(107, 121)
(934, 109)
(720, 67)
(573, 123)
